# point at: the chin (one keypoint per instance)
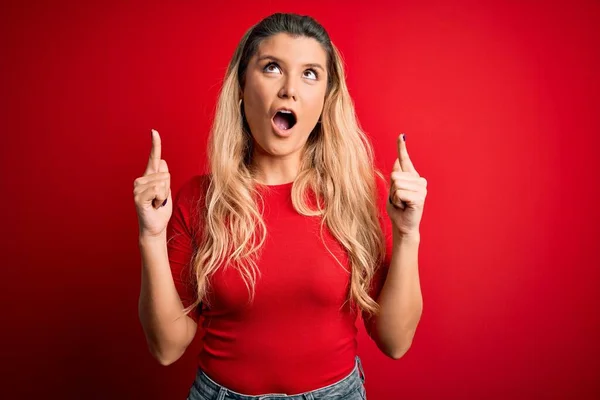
(276, 148)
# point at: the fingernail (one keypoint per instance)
(404, 137)
(164, 203)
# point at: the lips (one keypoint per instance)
(284, 119)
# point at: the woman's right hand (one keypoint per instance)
(151, 191)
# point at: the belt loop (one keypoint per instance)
(360, 369)
(222, 393)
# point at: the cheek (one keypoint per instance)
(256, 93)
(256, 106)
(316, 99)
(253, 99)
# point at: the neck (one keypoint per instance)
(269, 170)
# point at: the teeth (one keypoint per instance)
(285, 111)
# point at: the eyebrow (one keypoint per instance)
(310, 65)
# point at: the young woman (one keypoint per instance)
(290, 237)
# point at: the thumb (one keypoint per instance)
(156, 203)
(166, 195)
(162, 166)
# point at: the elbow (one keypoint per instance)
(165, 358)
(400, 346)
(165, 362)
(395, 351)
(399, 352)
(167, 345)
(397, 347)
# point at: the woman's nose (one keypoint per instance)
(288, 89)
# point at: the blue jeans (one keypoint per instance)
(349, 388)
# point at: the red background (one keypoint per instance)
(500, 105)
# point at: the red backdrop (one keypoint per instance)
(500, 106)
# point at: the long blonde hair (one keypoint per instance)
(337, 166)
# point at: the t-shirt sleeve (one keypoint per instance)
(381, 272)
(181, 245)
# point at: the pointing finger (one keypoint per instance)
(154, 160)
(405, 162)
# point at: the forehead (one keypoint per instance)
(299, 50)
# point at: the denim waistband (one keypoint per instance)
(349, 384)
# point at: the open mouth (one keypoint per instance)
(284, 119)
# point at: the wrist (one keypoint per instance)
(407, 237)
(144, 239)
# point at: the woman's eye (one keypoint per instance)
(271, 67)
(310, 74)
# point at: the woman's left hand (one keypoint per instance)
(407, 193)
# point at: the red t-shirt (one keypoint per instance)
(295, 336)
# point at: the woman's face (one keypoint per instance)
(284, 92)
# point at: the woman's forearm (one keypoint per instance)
(167, 331)
(400, 299)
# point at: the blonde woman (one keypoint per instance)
(290, 237)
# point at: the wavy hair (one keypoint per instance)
(337, 166)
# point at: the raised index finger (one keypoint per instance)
(405, 162)
(154, 160)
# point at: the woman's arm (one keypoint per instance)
(160, 305)
(400, 299)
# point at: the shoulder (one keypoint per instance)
(194, 187)
(189, 201)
